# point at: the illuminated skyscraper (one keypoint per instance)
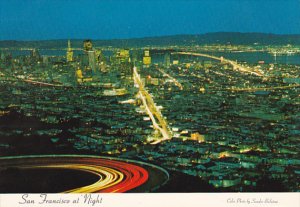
(79, 73)
(100, 59)
(92, 60)
(87, 45)
(147, 58)
(89, 56)
(69, 52)
(99, 56)
(124, 56)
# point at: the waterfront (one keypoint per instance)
(230, 124)
(249, 57)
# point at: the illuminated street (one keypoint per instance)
(149, 96)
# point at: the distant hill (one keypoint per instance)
(234, 38)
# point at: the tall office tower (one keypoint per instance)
(92, 61)
(35, 55)
(89, 57)
(124, 56)
(69, 52)
(167, 60)
(146, 58)
(87, 45)
(99, 56)
(100, 59)
(79, 73)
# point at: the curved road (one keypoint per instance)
(114, 175)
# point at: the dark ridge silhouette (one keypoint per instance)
(235, 38)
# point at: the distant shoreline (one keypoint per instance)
(222, 38)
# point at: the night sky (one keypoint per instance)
(104, 19)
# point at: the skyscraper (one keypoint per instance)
(99, 56)
(92, 60)
(69, 52)
(87, 45)
(35, 55)
(89, 57)
(124, 56)
(167, 60)
(147, 58)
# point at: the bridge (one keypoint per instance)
(273, 88)
(158, 121)
(235, 65)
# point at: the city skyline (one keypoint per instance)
(118, 96)
(222, 117)
(41, 20)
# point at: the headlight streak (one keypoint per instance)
(114, 175)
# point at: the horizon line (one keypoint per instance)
(145, 37)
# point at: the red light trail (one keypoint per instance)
(115, 176)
